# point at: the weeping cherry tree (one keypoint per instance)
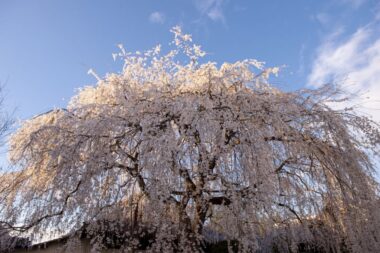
(193, 153)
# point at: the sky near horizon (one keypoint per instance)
(47, 47)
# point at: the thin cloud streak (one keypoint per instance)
(323, 18)
(353, 3)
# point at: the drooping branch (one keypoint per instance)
(26, 227)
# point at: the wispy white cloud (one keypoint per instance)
(211, 9)
(157, 17)
(355, 64)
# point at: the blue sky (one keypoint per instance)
(47, 47)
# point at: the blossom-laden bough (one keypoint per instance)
(188, 153)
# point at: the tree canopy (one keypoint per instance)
(192, 153)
